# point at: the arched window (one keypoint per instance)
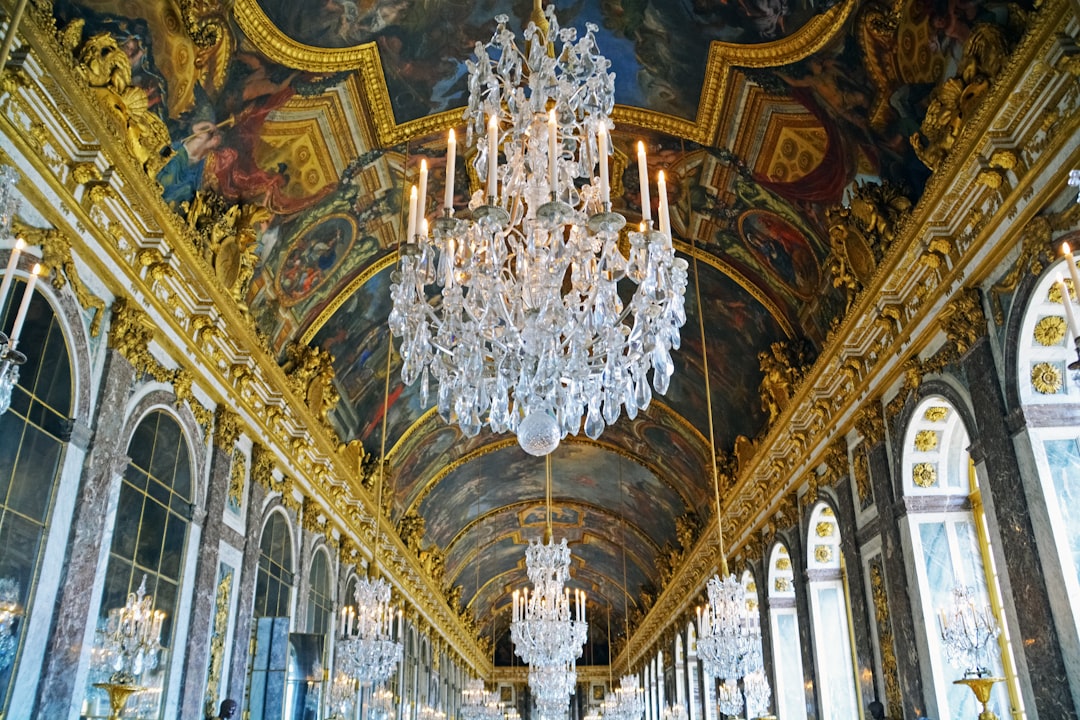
(829, 611)
(320, 604)
(694, 704)
(31, 457)
(680, 673)
(274, 580)
(950, 547)
(786, 647)
(1045, 383)
(150, 536)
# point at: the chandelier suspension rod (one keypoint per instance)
(708, 403)
(626, 590)
(610, 677)
(547, 468)
(382, 452)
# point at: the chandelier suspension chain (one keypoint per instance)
(708, 404)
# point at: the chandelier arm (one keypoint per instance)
(708, 403)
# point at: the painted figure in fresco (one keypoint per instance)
(782, 248)
(182, 175)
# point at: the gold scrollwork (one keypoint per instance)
(56, 260)
(1050, 330)
(1046, 378)
(926, 440)
(217, 640)
(1054, 295)
(924, 474)
(861, 470)
(885, 636)
(237, 478)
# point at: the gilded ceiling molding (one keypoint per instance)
(424, 490)
(525, 504)
(279, 47)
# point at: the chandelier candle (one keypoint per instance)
(410, 227)
(1070, 261)
(643, 179)
(9, 274)
(451, 161)
(665, 211)
(493, 160)
(602, 150)
(1066, 300)
(28, 295)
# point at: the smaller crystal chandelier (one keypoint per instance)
(629, 699)
(511, 713)
(968, 631)
(473, 700)
(368, 651)
(729, 634)
(674, 712)
(544, 322)
(342, 695)
(10, 612)
(758, 693)
(728, 698)
(382, 704)
(132, 637)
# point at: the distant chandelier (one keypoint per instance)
(629, 699)
(552, 683)
(382, 704)
(10, 612)
(478, 703)
(368, 650)
(546, 630)
(729, 635)
(674, 712)
(968, 632)
(530, 332)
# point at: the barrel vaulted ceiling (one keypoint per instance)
(764, 115)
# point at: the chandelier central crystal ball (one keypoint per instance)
(531, 312)
(546, 630)
(367, 650)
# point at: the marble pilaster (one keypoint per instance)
(1019, 568)
(206, 579)
(856, 590)
(900, 611)
(797, 552)
(105, 460)
(238, 665)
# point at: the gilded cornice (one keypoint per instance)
(139, 247)
(974, 226)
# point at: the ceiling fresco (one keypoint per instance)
(800, 119)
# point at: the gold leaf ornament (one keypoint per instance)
(924, 475)
(1050, 330)
(1046, 378)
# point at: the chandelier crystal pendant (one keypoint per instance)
(368, 651)
(968, 632)
(629, 699)
(552, 683)
(541, 320)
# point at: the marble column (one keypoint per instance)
(245, 609)
(106, 459)
(797, 552)
(860, 613)
(193, 691)
(890, 515)
(1020, 574)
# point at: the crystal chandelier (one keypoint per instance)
(546, 630)
(629, 699)
(531, 333)
(552, 683)
(728, 698)
(553, 708)
(757, 691)
(729, 634)
(478, 703)
(341, 696)
(968, 631)
(382, 704)
(674, 712)
(368, 651)
(131, 640)
(10, 612)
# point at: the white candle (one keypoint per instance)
(493, 159)
(665, 211)
(1071, 262)
(553, 142)
(601, 141)
(643, 177)
(13, 261)
(410, 227)
(425, 228)
(28, 295)
(1070, 316)
(421, 204)
(451, 160)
